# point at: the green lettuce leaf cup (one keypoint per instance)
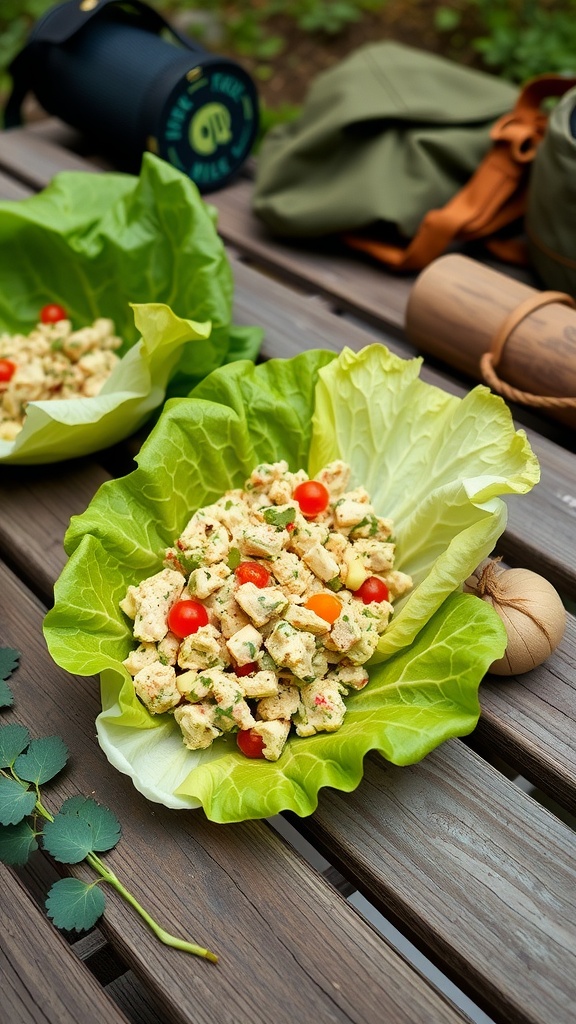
(437, 465)
(143, 251)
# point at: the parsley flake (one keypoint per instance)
(279, 518)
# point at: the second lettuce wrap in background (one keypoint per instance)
(143, 251)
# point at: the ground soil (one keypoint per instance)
(286, 78)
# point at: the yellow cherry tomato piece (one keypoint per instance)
(326, 606)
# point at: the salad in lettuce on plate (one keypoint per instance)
(142, 251)
(435, 464)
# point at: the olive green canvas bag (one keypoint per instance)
(384, 136)
(401, 153)
(551, 211)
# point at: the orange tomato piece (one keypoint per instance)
(326, 606)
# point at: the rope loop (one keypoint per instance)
(490, 359)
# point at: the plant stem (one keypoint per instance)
(108, 875)
(169, 940)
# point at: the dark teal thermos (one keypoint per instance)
(116, 71)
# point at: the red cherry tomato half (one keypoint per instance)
(373, 589)
(52, 313)
(7, 370)
(252, 572)
(186, 617)
(246, 670)
(250, 743)
(312, 497)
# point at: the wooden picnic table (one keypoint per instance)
(441, 892)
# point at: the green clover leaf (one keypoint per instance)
(6, 695)
(15, 801)
(105, 826)
(68, 838)
(9, 659)
(73, 904)
(43, 760)
(13, 740)
(17, 843)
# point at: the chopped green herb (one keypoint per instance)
(370, 521)
(234, 558)
(189, 562)
(280, 519)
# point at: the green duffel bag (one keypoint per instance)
(551, 212)
(386, 135)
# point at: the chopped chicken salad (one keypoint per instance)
(269, 605)
(53, 361)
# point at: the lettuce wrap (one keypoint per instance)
(143, 251)
(436, 464)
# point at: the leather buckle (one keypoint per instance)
(522, 136)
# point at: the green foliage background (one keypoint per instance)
(512, 38)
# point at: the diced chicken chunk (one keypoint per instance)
(306, 535)
(291, 573)
(283, 704)
(305, 618)
(398, 583)
(292, 648)
(354, 677)
(203, 649)
(197, 723)
(262, 541)
(378, 556)
(204, 539)
(261, 684)
(348, 513)
(145, 654)
(156, 687)
(244, 645)
(232, 707)
(345, 631)
(153, 600)
(261, 603)
(321, 562)
(321, 708)
(204, 581)
(274, 735)
(335, 477)
(168, 649)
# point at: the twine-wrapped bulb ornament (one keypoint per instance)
(531, 610)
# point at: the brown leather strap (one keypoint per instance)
(490, 359)
(495, 195)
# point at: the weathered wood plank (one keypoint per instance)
(531, 722)
(291, 948)
(481, 876)
(41, 980)
(36, 503)
(33, 160)
(11, 189)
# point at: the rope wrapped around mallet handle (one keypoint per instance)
(489, 360)
(498, 330)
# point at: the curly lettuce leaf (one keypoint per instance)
(434, 463)
(105, 245)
